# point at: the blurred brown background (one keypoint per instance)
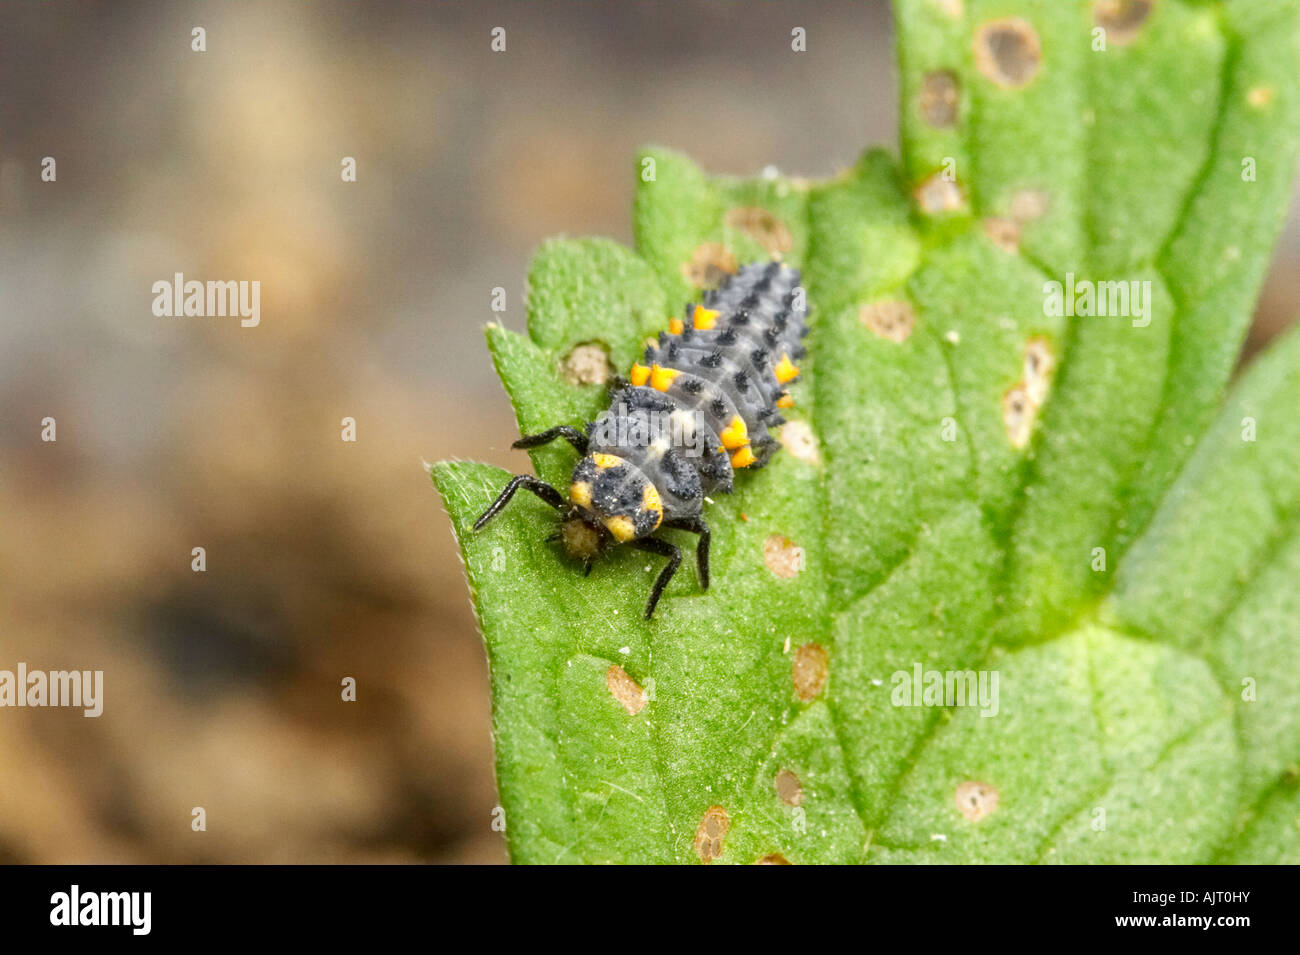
(325, 559)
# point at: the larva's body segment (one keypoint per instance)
(700, 407)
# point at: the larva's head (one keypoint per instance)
(582, 537)
(613, 502)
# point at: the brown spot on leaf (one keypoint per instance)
(774, 858)
(1022, 401)
(1260, 96)
(1040, 362)
(763, 226)
(938, 193)
(940, 96)
(710, 833)
(893, 319)
(788, 787)
(1028, 205)
(1121, 19)
(710, 265)
(1005, 233)
(783, 556)
(975, 800)
(1018, 415)
(625, 689)
(1007, 52)
(809, 669)
(798, 439)
(587, 364)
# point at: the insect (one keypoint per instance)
(700, 407)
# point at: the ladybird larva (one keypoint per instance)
(700, 406)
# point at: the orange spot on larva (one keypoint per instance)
(735, 434)
(808, 670)
(702, 319)
(625, 689)
(975, 799)
(661, 378)
(710, 834)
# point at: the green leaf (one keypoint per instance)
(1104, 750)
(1233, 597)
(1060, 512)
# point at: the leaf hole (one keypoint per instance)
(808, 670)
(1018, 415)
(625, 689)
(710, 265)
(1260, 96)
(788, 787)
(587, 364)
(761, 225)
(1028, 205)
(939, 193)
(975, 799)
(783, 556)
(710, 833)
(797, 438)
(1004, 233)
(893, 319)
(1022, 401)
(1007, 52)
(1121, 19)
(940, 95)
(1040, 362)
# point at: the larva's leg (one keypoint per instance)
(696, 525)
(566, 431)
(653, 545)
(529, 483)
